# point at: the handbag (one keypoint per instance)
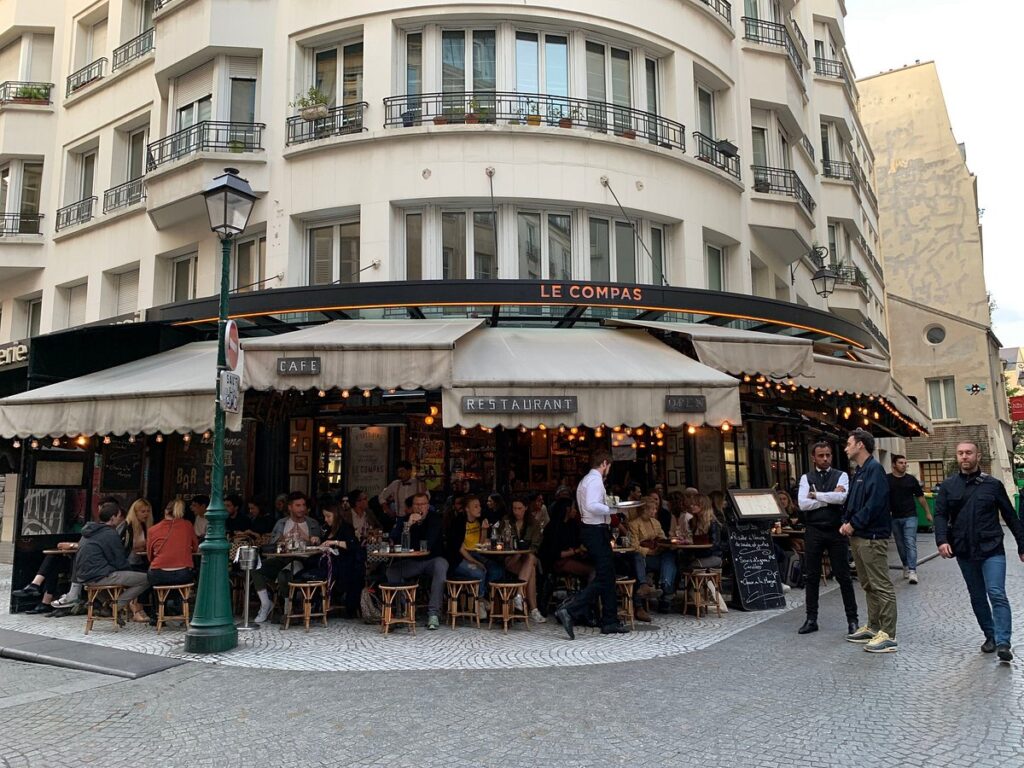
(370, 606)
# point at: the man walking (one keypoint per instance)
(596, 536)
(822, 493)
(967, 527)
(866, 521)
(903, 490)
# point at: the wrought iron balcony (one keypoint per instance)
(782, 181)
(770, 33)
(19, 224)
(19, 92)
(123, 195)
(799, 35)
(836, 170)
(829, 68)
(533, 109)
(876, 331)
(134, 49)
(86, 75)
(721, 7)
(707, 149)
(808, 147)
(852, 275)
(875, 265)
(339, 121)
(206, 136)
(76, 213)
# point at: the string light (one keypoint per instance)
(428, 420)
(345, 393)
(106, 439)
(726, 426)
(541, 427)
(366, 393)
(463, 432)
(321, 393)
(574, 430)
(691, 430)
(187, 438)
(56, 442)
(131, 439)
(159, 438)
(434, 410)
(16, 444)
(35, 444)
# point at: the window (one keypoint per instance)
(734, 453)
(86, 174)
(74, 298)
(942, 398)
(250, 264)
(33, 316)
(31, 185)
(414, 246)
(935, 334)
(826, 144)
(784, 151)
(5, 186)
(243, 100)
(414, 64)
(714, 267)
(334, 253)
(600, 251)
(833, 244)
(464, 233)
(183, 277)
(146, 15)
(468, 60)
(196, 112)
(706, 111)
(658, 256)
(545, 246)
(542, 63)
(932, 474)
(136, 154)
(759, 137)
(326, 74)
(126, 293)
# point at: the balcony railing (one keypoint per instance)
(207, 136)
(721, 7)
(123, 195)
(877, 333)
(829, 68)
(707, 149)
(161, 3)
(19, 224)
(836, 170)
(19, 92)
(338, 122)
(875, 265)
(76, 213)
(799, 35)
(534, 109)
(135, 48)
(808, 147)
(770, 33)
(86, 75)
(782, 181)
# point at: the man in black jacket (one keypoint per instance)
(867, 522)
(424, 525)
(967, 527)
(101, 557)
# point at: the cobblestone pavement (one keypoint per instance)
(763, 697)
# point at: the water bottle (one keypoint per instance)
(494, 536)
(406, 539)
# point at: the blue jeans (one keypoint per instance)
(491, 571)
(986, 582)
(664, 564)
(904, 530)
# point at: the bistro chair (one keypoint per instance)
(308, 591)
(405, 594)
(462, 600)
(184, 593)
(503, 603)
(624, 590)
(96, 592)
(697, 583)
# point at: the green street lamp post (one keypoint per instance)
(229, 202)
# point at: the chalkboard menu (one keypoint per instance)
(190, 464)
(758, 584)
(122, 466)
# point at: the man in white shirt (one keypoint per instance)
(821, 498)
(392, 498)
(596, 536)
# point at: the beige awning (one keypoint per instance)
(168, 392)
(737, 351)
(359, 354)
(618, 376)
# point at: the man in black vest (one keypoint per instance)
(821, 498)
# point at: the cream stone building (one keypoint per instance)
(943, 349)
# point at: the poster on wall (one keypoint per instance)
(367, 458)
(708, 458)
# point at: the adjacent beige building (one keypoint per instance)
(943, 349)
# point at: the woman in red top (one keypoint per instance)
(170, 546)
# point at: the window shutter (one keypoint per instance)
(243, 68)
(127, 293)
(42, 58)
(193, 86)
(76, 304)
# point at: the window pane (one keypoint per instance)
(136, 153)
(596, 89)
(950, 398)
(35, 317)
(5, 182)
(349, 272)
(714, 268)
(826, 149)
(529, 246)
(622, 88)
(750, 8)
(243, 100)
(833, 246)
(527, 72)
(414, 246)
(205, 108)
(556, 65)
(326, 75)
(705, 113)
(182, 280)
(625, 252)
(453, 246)
(760, 139)
(88, 173)
(352, 84)
(559, 246)
(485, 246)
(31, 181)
(414, 64)
(321, 257)
(453, 61)
(935, 398)
(243, 266)
(652, 86)
(484, 73)
(600, 251)
(657, 257)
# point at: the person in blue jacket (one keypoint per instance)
(866, 520)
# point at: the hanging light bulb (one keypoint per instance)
(16, 444)
(321, 393)
(56, 442)
(366, 393)
(345, 393)
(691, 430)
(541, 427)
(82, 441)
(131, 439)
(561, 429)
(187, 438)
(159, 438)
(522, 429)
(726, 426)
(434, 410)
(661, 443)
(428, 420)
(463, 432)
(574, 430)
(323, 429)
(639, 431)
(35, 444)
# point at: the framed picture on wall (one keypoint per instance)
(673, 478)
(300, 463)
(301, 425)
(671, 445)
(679, 460)
(306, 446)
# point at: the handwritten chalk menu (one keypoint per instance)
(756, 572)
(122, 466)
(367, 458)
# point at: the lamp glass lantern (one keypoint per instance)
(824, 281)
(229, 203)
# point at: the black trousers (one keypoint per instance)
(597, 540)
(816, 542)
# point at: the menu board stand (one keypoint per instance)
(756, 577)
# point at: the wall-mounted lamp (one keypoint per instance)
(824, 277)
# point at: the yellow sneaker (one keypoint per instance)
(863, 635)
(881, 643)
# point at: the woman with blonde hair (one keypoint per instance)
(705, 529)
(136, 527)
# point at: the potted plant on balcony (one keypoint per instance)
(727, 148)
(312, 105)
(32, 94)
(762, 183)
(472, 116)
(533, 113)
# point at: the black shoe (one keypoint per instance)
(29, 590)
(42, 608)
(615, 629)
(851, 627)
(989, 646)
(808, 627)
(563, 617)
(1004, 653)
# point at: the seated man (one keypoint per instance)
(649, 538)
(44, 584)
(102, 560)
(296, 527)
(238, 519)
(424, 525)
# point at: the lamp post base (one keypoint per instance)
(211, 639)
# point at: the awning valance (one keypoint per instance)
(172, 391)
(737, 351)
(617, 376)
(358, 354)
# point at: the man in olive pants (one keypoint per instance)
(866, 520)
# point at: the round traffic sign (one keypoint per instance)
(231, 344)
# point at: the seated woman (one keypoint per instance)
(345, 572)
(465, 532)
(679, 516)
(527, 533)
(652, 555)
(790, 512)
(705, 530)
(136, 528)
(539, 511)
(496, 508)
(570, 556)
(170, 546)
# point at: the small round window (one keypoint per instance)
(935, 334)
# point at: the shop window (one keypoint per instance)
(932, 473)
(334, 253)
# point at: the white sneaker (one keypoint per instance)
(785, 587)
(535, 615)
(264, 613)
(912, 577)
(517, 603)
(65, 602)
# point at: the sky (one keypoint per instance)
(976, 46)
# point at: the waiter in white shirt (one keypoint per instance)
(392, 498)
(821, 498)
(596, 536)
